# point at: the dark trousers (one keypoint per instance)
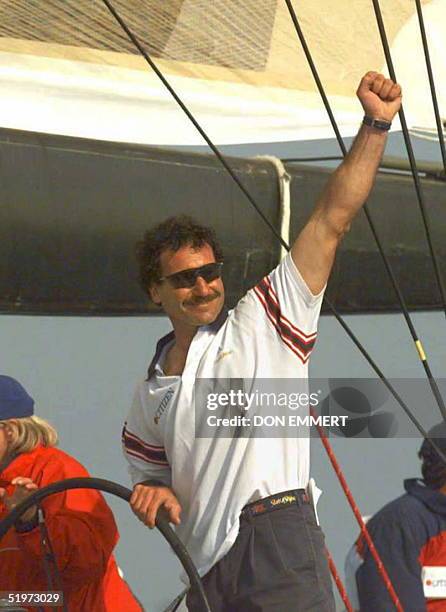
(277, 564)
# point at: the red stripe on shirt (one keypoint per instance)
(273, 294)
(296, 349)
(139, 448)
(282, 325)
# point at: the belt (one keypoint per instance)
(296, 497)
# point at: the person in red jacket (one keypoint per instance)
(67, 543)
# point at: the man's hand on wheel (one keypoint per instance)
(146, 500)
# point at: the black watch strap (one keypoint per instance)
(379, 124)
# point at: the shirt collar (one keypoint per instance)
(162, 342)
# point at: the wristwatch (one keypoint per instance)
(379, 124)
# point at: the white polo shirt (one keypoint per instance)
(269, 334)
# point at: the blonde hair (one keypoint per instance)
(29, 432)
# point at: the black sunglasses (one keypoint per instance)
(188, 278)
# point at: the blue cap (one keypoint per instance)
(15, 403)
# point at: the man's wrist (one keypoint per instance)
(378, 124)
(153, 483)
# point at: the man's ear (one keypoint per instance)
(154, 294)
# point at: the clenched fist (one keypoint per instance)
(146, 500)
(380, 97)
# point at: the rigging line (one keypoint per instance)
(410, 153)
(364, 530)
(417, 343)
(338, 582)
(190, 116)
(387, 383)
(431, 82)
(315, 74)
(276, 234)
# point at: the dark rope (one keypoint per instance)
(274, 231)
(431, 82)
(391, 275)
(391, 388)
(316, 77)
(120, 491)
(413, 164)
(355, 509)
(190, 116)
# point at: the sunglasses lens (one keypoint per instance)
(188, 278)
(183, 279)
(211, 272)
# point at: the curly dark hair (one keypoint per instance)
(172, 234)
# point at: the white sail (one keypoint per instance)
(66, 67)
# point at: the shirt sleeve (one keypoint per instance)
(399, 544)
(143, 450)
(290, 307)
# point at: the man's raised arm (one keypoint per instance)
(347, 189)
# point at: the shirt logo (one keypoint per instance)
(222, 354)
(434, 581)
(163, 405)
(286, 499)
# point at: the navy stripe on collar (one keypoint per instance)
(159, 348)
(162, 342)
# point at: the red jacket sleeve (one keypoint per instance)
(80, 525)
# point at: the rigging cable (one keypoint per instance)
(404, 308)
(431, 82)
(413, 164)
(223, 161)
(282, 242)
(364, 530)
(340, 585)
(191, 118)
(417, 342)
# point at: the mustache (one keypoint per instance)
(197, 301)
